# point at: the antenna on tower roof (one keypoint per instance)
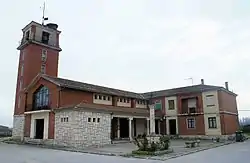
(44, 18)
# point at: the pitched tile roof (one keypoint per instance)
(92, 88)
(109, 109)
(184, 90)
(111, 91)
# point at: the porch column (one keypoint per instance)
(159, 126)
(148, 126)
(167, 127)
(118, 128)
(152, 119)
(130, 128)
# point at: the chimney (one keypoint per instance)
(226, 85)
(202, 81)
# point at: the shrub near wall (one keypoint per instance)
(147, 147)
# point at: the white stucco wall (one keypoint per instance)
(171, 112)
(52, 37)
(140, 105)
(167, 122)
(78, 132)
(41, 115)
(103, 102)
(212, 100)
(18, 127)
(124, 104)
(211, 109)
(140, 126)
(212, 131)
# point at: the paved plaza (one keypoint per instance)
(237, 152)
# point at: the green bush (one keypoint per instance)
(164, 141)
(142, 142)
(144, 145)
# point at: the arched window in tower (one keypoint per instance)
(41, 98)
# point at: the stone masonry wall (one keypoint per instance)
(72, 128)
(18, 127)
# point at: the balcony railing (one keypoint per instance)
(31, 107)
(189, 110)
(39, 40)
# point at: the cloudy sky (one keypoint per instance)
(137, 45)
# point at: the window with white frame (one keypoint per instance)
(21, 69)
(102, 97)
(22, 55)
(190, 123)
(20, 85)
(44, 55)
(210, 100)
(212, 122)
(171, 105)
(65, 119)
(43, 68)
(141, 102)
(94, 120)
(19, 102)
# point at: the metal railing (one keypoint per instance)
(187, 111)
(31, 107)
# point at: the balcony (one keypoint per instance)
(30, 107)
(39, 41)
(189, 110)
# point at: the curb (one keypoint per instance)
(179, 155)
(198, 150)
(61, 149)
(121, 155)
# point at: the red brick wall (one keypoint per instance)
(74, 97)
(133, 103)
(51, 125)
(229, 123)
(185, 96)
(53, 91)
(27, 123)
(227, 102)
(199, 123)
(162, 99)
(32, 66)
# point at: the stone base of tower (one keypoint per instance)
(18, 127)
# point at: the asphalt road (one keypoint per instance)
(239, 152)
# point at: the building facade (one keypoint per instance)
(72, 113)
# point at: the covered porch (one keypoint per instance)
(129, 127)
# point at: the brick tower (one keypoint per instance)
(39, 53)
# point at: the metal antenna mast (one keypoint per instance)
(191, 80)
(44, 18)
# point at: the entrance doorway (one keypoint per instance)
(39, 128)
(172, 126)
(124, 128)
(157, 126)
(114, 128)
